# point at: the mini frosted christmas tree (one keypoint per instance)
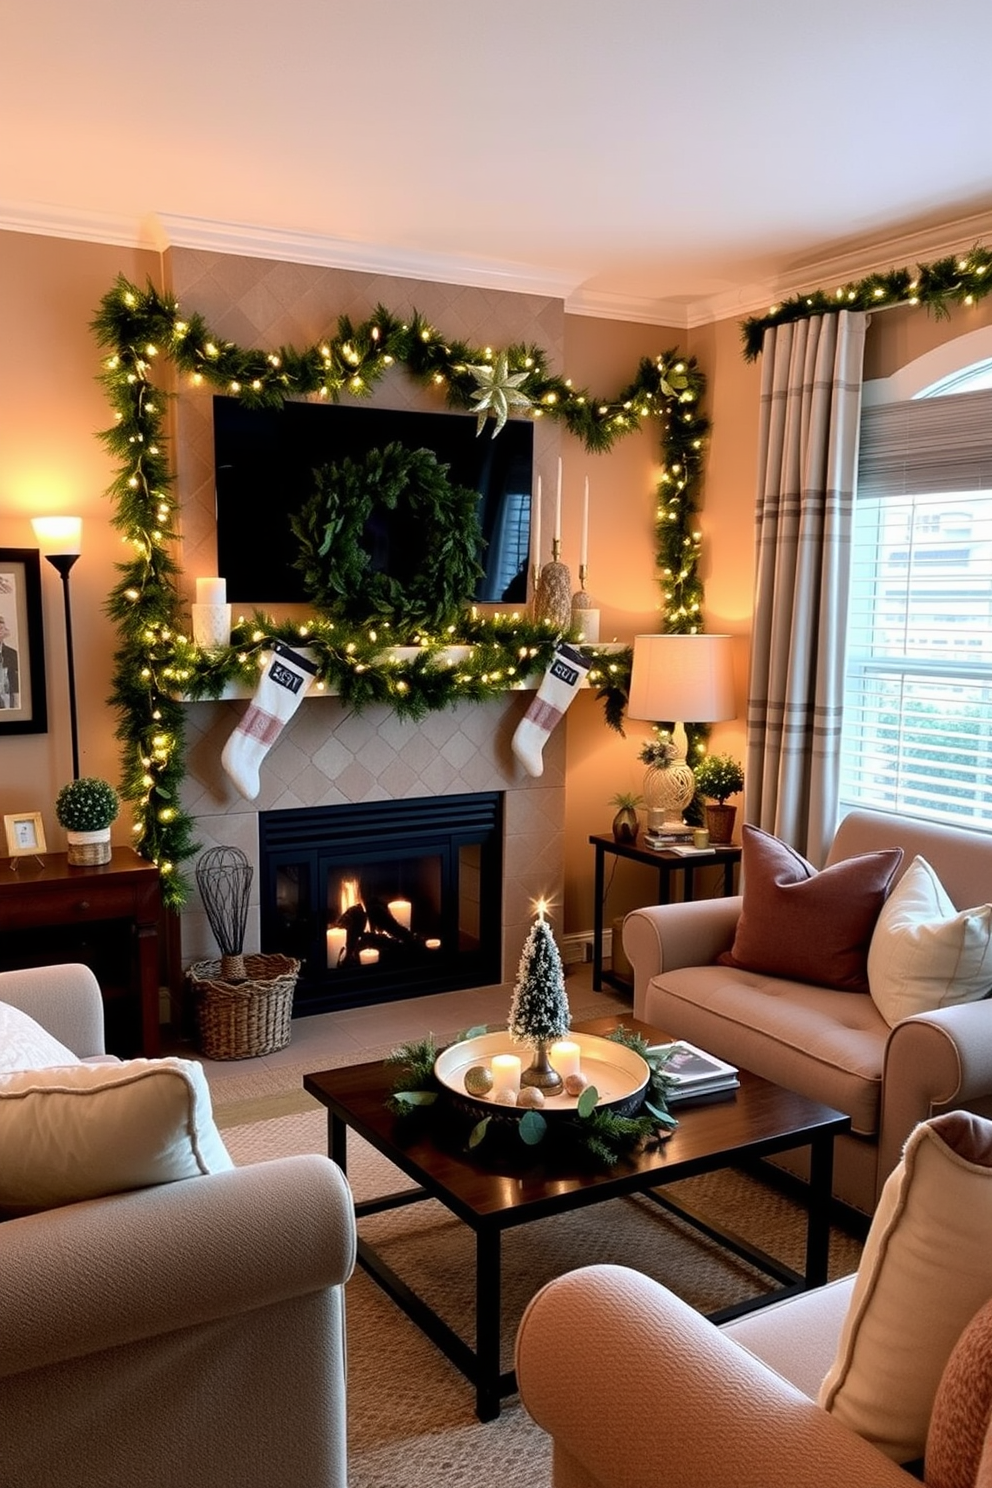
(539, 1010)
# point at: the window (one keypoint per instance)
(917, 734)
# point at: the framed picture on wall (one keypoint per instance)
(23, 706)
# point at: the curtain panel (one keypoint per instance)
(807, 463)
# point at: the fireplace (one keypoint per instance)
(384, 900)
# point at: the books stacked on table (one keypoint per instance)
(668, 837)
(696, 1075)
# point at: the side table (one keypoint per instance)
(105, 916)
(666, 863)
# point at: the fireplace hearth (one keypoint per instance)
(384, 900)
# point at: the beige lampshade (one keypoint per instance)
(689, 678)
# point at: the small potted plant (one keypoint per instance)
(717, 777)
(625, 823)
(86, 808)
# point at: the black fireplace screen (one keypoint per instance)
(386, 899)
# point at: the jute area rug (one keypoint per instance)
(411, 1414)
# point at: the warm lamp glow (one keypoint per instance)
(58, 535)
(688, 679)
(685, 677)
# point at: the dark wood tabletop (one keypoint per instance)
(508, 1183)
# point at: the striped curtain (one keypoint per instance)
(807, 461)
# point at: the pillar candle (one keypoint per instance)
(337, 940)
(564, 1057)
(506, 1073)
(369, 956)
(211, 591)
(401, 911)
(558, 505)
(537, 526)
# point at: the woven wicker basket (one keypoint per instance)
(240, 1020)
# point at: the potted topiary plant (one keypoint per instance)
(86, 808)
(717, 777)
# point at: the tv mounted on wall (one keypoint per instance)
(264, 464)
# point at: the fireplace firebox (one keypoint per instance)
(384, 900)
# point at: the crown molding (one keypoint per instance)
(80, 224)
(604, 305)
(867, 256)
(249, 241)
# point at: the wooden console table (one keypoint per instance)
(106, 917)
(665, 863)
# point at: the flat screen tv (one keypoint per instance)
(265, 459)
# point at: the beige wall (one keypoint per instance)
(51, 462)
(51, 406)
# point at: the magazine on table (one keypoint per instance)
(695, 1073)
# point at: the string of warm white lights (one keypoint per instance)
(157, 663)
(954, 280)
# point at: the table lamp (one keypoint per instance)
(688, 678)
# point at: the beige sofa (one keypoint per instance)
(832, 1046)
(190, 1333)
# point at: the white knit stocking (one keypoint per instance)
(560, 684)
(283, 685)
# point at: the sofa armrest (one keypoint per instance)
(64, 999)
(660, 937)
(635, 1388)
(933, 1062)
(108, 1272)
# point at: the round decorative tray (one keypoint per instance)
(619, 1074)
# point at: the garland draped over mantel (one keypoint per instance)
(959, 279)
(157, 662)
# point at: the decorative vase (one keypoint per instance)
(720, 821)
(625, 825)
(667, 790)
(88, 849)
(541, 1073)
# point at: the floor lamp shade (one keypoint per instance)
(60, 539)
(689, 678)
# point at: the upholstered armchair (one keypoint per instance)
(190, 1331)
(860, 1382)
(910, 1039)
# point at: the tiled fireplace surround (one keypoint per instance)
(329, 754)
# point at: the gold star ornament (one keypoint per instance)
(499, 390)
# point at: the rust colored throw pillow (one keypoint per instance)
(959, 1437)
(810, 926)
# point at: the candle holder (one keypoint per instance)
(552, 601)
(585, 615)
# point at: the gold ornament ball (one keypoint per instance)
(478, 1080)
(530, 1095)
(575, 1084)
(505, 1097)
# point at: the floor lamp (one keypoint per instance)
(60, 539)
(689, 678)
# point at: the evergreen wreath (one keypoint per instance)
(441, 540)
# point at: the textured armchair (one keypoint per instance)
(832, 1046)
(189, 1333)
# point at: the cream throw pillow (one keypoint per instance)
(25, 1045)
(925, 954)
(925, 1271)
(84, 1131)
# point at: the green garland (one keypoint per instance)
(955, 280)
(156, 662)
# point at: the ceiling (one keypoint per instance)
(645, 158)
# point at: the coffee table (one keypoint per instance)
(759, 1119)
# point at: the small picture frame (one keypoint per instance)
(25, 834)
